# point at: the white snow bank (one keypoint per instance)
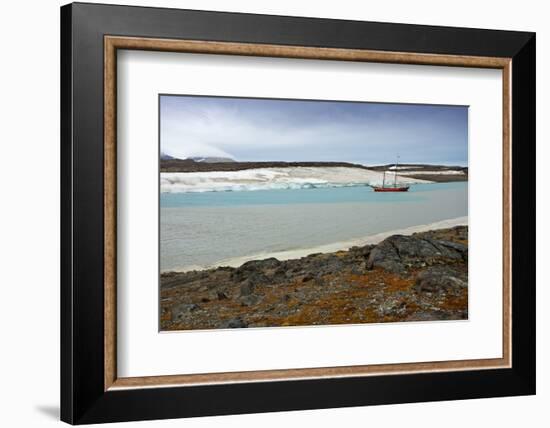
(438, 172)
(405, 167)
(273, 178)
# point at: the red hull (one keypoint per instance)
(391, 189)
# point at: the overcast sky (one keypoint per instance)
(248, 129)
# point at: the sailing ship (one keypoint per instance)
(395, 187)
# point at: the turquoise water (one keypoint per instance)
(327, 195)
(205, 228)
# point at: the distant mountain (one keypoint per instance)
(226, 164)
(211, 159)
(164, 156)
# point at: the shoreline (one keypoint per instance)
(329, 248)
(421, 277)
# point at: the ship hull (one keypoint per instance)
(391, 189)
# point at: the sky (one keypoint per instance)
(253, 129)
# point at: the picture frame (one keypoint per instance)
(91, 35)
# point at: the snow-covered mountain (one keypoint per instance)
(164, 156)
(211, 159)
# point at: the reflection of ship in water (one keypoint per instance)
(395, 187)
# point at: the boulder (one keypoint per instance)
(234, 323)
(254, 267)
(399, 252)
(428, 316)
(175, 279)
(361, 252)
(392, 307)
(250, 300)
(183, 309)
(247, 288)
(440, 279)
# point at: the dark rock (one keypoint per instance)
(313, 256)
(361, 252)
(234, 323)
(392, 307)
(251, 281)
(460, 248)
(457, 233)
(186, 307)
(398, 252)
(440, 279)
(250, 300)
(270, 263)
(221, 295)
(174, 279)
(277, 275)
(427, 316)
(359, 267)
(321, 265)
(247, 287)
(257, 267)
(182, 309)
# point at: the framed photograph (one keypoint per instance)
(319, 213)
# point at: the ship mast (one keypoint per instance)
(384, 179)
(395, 172)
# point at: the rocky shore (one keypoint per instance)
(435, 173)
(190, 165)
(422, 277)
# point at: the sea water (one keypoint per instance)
(202, 229)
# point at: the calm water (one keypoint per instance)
(205, 228)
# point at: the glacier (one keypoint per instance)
(274, 178)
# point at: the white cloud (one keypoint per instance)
(222, 127)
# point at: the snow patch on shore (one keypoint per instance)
(273, 178)
(438, 172)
